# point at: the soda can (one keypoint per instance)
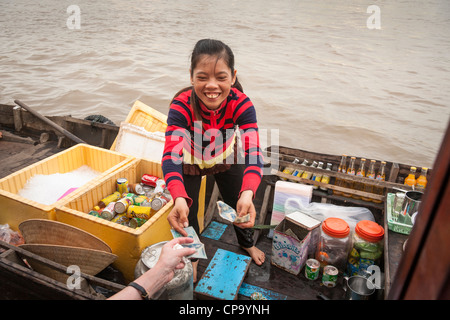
(136, 222)
(329, 277)
(135, 188)
(139, 212)
(121, 219)
(95, 213)
(159, 202)
(312, 268)
(111, 198)
(149, 180)
(122, 205)
(138, 200)
(122, 185)
(108, 213)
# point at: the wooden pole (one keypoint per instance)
(50, 123)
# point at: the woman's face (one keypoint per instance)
(212, 80)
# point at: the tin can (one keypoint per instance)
(136, 222)
(329, 277)
(108, 213)
(121, 219)
(135, 188)
(95, 213)
(111, 198)
(149, 180)
(138, 200)
(122, 185)
(312, 268)
(159, 202)
(139, 212)
(122, 205)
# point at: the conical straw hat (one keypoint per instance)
(42, 231)
(88, 260)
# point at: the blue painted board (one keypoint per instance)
(246, 290)
(214, 230)
(223, 276)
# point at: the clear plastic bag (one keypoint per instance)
(322, 211)
(10, 236)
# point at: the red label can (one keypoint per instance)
(149, 180)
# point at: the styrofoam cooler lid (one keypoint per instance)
(303, 220)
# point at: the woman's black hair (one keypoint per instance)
(215, 48)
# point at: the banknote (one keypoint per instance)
(228, 213)
(197, 244)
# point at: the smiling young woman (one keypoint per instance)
(201, 140)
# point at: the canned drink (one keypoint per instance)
(146, 203)
(136, 222)
(149, 180)
(94, 213)
(138, 200)
(159, 188)
(121, 219)
(329, 277)
(159, 202)
(136, 188)
(122, 205)
(122, 185)
(111, 198)
(108, 213)
(312, 269)
(139, 212)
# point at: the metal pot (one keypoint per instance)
(181, 287)
(411, 202)
(358, 288)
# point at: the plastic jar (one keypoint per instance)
(334, 243)
(367, 247)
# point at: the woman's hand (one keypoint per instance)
(245, 206)
(178, 217)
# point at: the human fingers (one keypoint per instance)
(178, 221)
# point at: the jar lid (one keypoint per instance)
(336, 227)
(369, 230)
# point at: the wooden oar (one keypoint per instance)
(50, 123)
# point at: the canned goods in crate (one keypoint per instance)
(136, 222)
(108, 213)
(111, 198)
(139, 212)
(122, 185)
(312, 268)
(135, 188)
(121, 219)
(159, 202)
(149, 180)
(122, 205)
(329, 277)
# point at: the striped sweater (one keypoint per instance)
(213, 143)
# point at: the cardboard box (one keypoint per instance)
(15, 208)
(291, 241)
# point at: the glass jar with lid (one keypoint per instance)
(367, 248)
(334, 243)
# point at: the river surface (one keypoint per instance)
(325, 76)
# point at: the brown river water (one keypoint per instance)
(325, 76)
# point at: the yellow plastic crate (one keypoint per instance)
(14, 208)
(125, 242)
(146, 117)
